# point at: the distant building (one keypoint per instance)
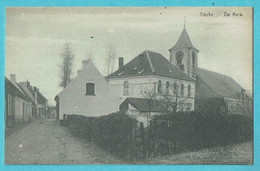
(40, 103)
(18, 106)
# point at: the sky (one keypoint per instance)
(35, 39)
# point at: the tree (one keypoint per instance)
(66, 66)
(173, 97)
(245, 102)
(150, 97)
(110, 60)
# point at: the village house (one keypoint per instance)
(87, 94)
(150, 74)
(18, 106)
(40, 103)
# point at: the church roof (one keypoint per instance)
(183, 41)
(150, 63)
(211, 84)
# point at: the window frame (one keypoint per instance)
(88, 92)
(159, 88)
(126, 88)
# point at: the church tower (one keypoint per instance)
(184, 55)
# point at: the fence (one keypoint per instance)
(166, 134)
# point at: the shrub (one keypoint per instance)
(112, 132)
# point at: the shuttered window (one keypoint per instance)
(90, 89)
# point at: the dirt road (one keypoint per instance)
(46, 142)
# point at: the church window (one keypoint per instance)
(167, 87)
(159, 86)
(126, 88)
(179, 57)
(193, 58)
(90, 89)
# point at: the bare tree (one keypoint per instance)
(110, 60)
(245, 102)
(174, 97)
(150, 96)
(66, 66)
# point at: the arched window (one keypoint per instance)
(159, 86)
(179, 57)
(189, 91)
(182, 90)
(193, 58)
(167, 87)
(126, 88)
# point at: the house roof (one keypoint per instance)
(16, 88)
(142, 105)
(27, 91)
(183, 41)
(150, 63)
(213, 84)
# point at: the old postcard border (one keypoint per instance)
(72, 3)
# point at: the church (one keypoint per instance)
(151, 84)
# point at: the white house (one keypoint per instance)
(87, 94)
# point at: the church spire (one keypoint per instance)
(183, 41)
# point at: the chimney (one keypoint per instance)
(120, 63)
(84, 63)
(35, 89)
(13, 77)
(28, 83)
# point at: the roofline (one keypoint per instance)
(126, 76)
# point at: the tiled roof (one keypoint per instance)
(27, 91)
(142, 105)
(150, 63)
(213, 84)
(183, 41)
(16, 88)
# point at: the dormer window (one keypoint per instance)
(90, 89)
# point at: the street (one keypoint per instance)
(46, 142)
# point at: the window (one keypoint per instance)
(193, 58)
(179, 57)
(159, 86)
(175, 87)
(182, 89)
(90, 89)
(167, 87)
(126, 88)
(189, 92)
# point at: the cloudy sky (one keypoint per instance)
(35, 38)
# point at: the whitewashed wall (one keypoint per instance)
(73, 99)
(137, 86)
